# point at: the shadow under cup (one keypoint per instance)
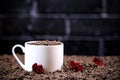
(49, 56)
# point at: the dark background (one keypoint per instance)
(87, 27)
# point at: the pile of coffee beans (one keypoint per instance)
(45, 42)
(11, 70)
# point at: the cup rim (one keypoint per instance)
(26, 43)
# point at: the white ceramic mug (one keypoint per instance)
(50, 56)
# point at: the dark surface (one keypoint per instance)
(10, 69)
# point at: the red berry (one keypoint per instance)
(40, 69)
(100, 64)
(75, 66)
(72, 64)
(34, 66)
(79, 68)
(37, 68)
(98, 61)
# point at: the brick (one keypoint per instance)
(81, 47)
(113, 6)
(49, 26)
(13, 7)
(92, 27)
(14, 26)
(69, 6)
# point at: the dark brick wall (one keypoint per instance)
(95, 26)
(113, 7)
(87, 27)
(69, 6)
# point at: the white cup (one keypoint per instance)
(50, 56)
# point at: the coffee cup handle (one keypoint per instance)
(14, 54)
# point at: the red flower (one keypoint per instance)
(37, 68)
(98, 61)
(75, 66)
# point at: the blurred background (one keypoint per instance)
(87, 27)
